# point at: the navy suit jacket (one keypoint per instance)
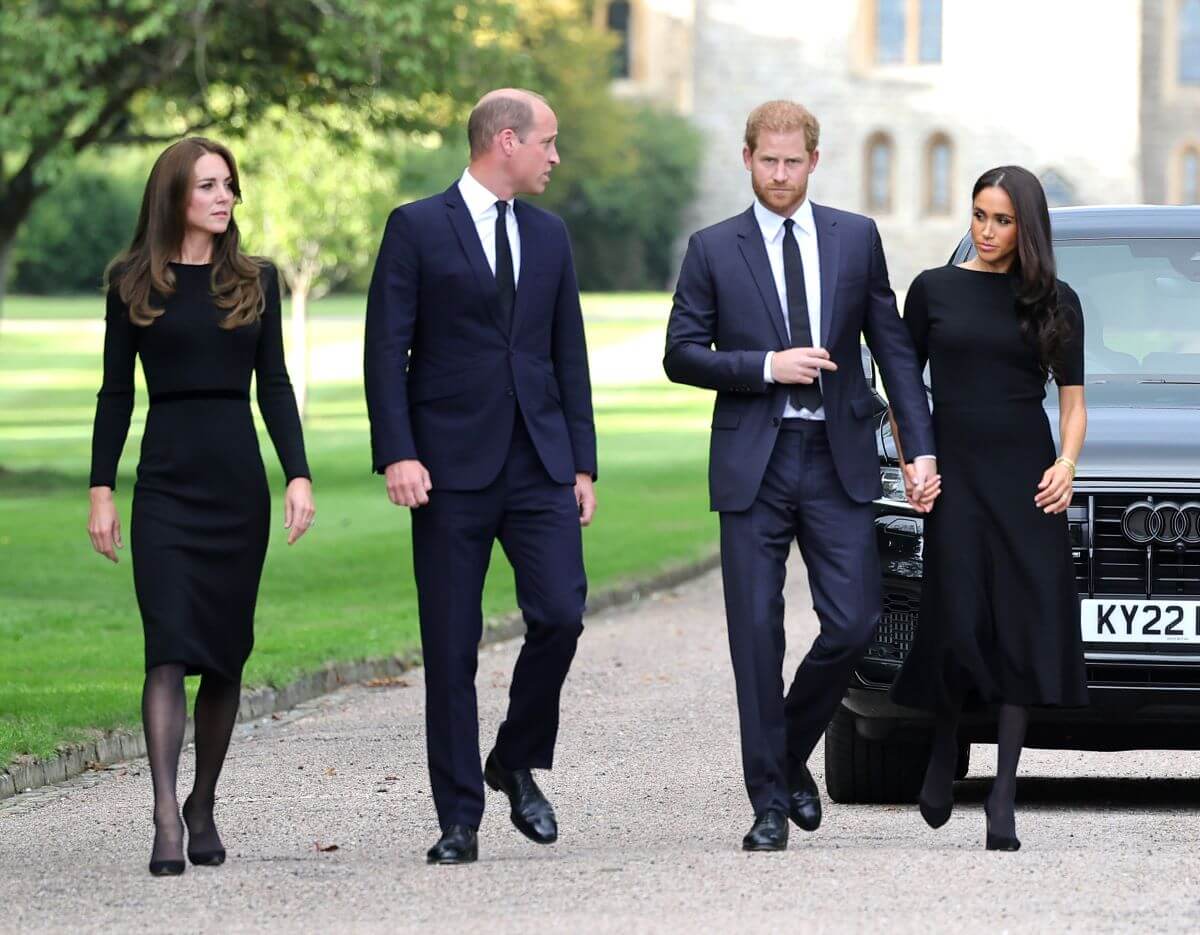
(727, 315)
(442, 375)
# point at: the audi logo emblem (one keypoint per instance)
(1162, 522)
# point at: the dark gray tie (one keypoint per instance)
(506, 280)
(803, 396)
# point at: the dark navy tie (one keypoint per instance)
(803, 396)
(506, 280)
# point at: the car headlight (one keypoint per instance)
(893, 483)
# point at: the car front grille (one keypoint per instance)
(897, 626)
(1119, 566)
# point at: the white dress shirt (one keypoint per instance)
(805, 232)
(481, 204)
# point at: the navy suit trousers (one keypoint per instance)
(800, 498)
(537, 523)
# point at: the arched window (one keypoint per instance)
(939, 158)
(880, 166)
(1059, 191)
(617, 21)
(1189, 42)
(1189, 175)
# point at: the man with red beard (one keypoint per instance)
(769, 311)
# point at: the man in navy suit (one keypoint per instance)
(481, 420)
(768, 311)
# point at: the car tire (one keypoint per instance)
(858, 770)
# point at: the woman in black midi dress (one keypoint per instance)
(203, 323)
(999, 620)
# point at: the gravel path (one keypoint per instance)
(651, 808)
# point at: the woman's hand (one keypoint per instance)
(920, 491)
(103, 525)
(1054, 491)
(298, 510)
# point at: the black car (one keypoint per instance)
(1134, 520)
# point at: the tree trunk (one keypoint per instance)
(7, 238)
(298, 365)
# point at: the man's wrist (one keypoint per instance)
(924, 458)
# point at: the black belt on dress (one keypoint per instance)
(176, 396)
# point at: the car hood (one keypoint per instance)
(1125, 442)
(1137, 443)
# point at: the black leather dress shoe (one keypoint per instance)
(532, 813)
(804, 801)
(769, 833)
(458, 844)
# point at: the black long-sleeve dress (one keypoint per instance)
(999, 616)
(201, 504)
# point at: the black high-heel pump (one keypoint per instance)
(999, 842)
(210, 858)
(935, 815)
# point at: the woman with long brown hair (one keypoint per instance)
(203, 316)
(999, 619)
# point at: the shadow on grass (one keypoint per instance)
(37, 482)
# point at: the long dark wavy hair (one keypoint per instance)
(142, 271)
(1043, 323)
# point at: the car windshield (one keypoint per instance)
(1141, 307)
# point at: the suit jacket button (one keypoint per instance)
(776, 421)
(509, 391)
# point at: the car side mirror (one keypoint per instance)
(868, 365)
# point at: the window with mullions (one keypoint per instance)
(908, 32)
(618, 22)
(1189, 42)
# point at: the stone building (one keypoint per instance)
(1100, 98)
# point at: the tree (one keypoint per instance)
(315, 208)
(79, 74)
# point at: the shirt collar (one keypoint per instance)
(771, 223)
(478, 198)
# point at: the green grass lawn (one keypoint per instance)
(69, 627)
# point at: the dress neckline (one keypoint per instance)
(982, 272)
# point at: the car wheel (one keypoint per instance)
(862, 770)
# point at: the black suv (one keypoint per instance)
(1134, 520)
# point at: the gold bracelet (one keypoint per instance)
(1062, 459)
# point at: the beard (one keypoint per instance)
(782, 199)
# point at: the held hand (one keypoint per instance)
(585, 496)
(408, 483)
(800, 364)
(922, 484)
(103, 526)
(298, 510)
(1054, 491)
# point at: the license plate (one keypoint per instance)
(1140, 621)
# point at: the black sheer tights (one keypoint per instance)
(938, 787)
(164, 717)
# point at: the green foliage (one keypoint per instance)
(70, 238)
(314, 204)
(79, 73)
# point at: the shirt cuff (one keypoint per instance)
(925, 457)
(767, 376)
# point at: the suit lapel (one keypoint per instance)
(528, 251)
(827, 246)
(468, 239)
(750, 242)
